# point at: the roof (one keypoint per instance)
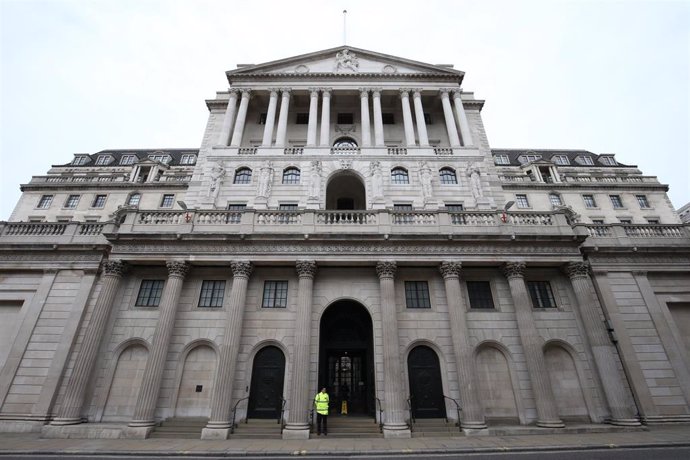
(547, 154)
(175, 154)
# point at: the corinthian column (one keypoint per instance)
(364, 106)
(603, 351)
(547, 413)
(270, 118)
(407, 117)
(241, 119)
(298, 425)
(394, 399)
(378, 118)
(419, 115)
(450, 121)
(229, 118)
(472, 412)
(462, 119)
(72, 403)
(281, 132)
(313, 116)
(144, 412)
(325, 117)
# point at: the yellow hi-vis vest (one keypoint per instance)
(321, 401)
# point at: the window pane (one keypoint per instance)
(616, 201)
(589, 201)
(167, 201)
(642, 201)
(448, 176)
(134, 199)
(99, 201)
(541, 294)
(417, 294)
(291, 176)
(45, 201)
(522, 201)
(72, 201)
(399, 176)
(243, 176)
(212, 293)
(480, 294)
(275, 294)
(555, 199)
(150, 293)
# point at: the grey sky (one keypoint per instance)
(83, 76)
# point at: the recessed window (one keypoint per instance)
(80, 160)
(188, 159)
(291, 176)
(480, 294)
(388, 118)
(609, 161)
(589, 201)
(399, 176)
(167, 201)
(346, 119)
(287, 206)
(275, 294)
(642, 201)
(99, 201)
(165, 159)
(72, 201)
(598, 221)
(212, 292)
(454, 207)
(302, 119)
(541, 294)
(616, 201)
(501, 159)
(417, 294)
(427, 119)
(150, 293)
(45, 202)
(522, 201)
(102, 160)
(586, 160)
(236, 216)
(243, 176)
(625, 221)
(653, 221)
(262, 118)
(134, 199)
(127, 159)
(560, 159)
(448, 176)
(555, 199)
(523, 159)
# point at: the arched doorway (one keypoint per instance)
(426, 388)
(345, 191)
(266, 390)
(346, 357)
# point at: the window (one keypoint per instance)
(589, 201)
(302, 119)
(102, 160)
(480, 294)
(287, 207)
(212, 293)
(625, 221)
(388, 118)
(127, 159)
(134, 199)
(560, 159)
(616, 201)
(149, 293)
(653, 221)
(417, 294)
(236, 216)
(427, 119)
(275, 294)
(541, 294)
(454, 207)
(80, 160)
(345, 119)
(163, 158)
(45, 201)
(598, 221)
(523, 159)
(501, 160)
(291, 176)
(522, 201)
(99, 201)
(399, 176)
(586, 161)
(448, 176)
(642, 201)
(262, 118)
(609, 161)
(188, 159)
(167, 201)
(555, 199)
(72, 201)
(243, 176)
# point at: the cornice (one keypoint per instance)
(343, 76)
(61, 186)
(582, 185)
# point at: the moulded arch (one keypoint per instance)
(120, 405)
(346, 299)
(445, 370)
(249, 363)
(257, 349)
(346, 190)
(345, 142)
(179, 369)
(490, 382)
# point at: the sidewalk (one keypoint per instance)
(656, 436)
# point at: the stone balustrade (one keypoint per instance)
(633, 234)
(293, 151)
(397, 151)
(443, 151)
(278, 217)
(346, 218)
(55, 232)
(345, 151)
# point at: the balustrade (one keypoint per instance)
(90, 229)
(397, 151)
(345, 151)
(278, 217)
(653, 231)
(293, 151)
(346, 218)
(36, 228)
(443, 151)
(414, 218)
(161, 217)
(479, 219)
(247, 151)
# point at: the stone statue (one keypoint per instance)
(376, 179)
(425, 176)
(217, 174)
(315, 180)
(474, 173)
(265, 180)
(346, 60)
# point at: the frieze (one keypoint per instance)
(29, 257)
(627, 260)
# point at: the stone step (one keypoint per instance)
(436, 434)
(180, 428)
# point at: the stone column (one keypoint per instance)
(394, 399)
(378, 118)
(224, 137)
(281, 132)
(366, 128)
(407, 117)
(241, 118)
(270, 118)
(419, 115)
(218, 426)
(144, 413)
(313, 116)
(72, 403)
(325, 117)
(622, 411)
(450, 120)
(297, 426)
(472, 412)
(532, 346)
(462, 119)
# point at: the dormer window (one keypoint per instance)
(586, 160)
(608, 161)
(562, 160)
(103, 160)
(501, 159)
(524, 159)
(80, 160)
(163, 158)
(188, 159)
(127, 159)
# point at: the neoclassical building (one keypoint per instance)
(345, 224)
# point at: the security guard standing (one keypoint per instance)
(321, 402)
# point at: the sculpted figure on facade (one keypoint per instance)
(315, 179)
(346, 60)
(376, 179)
(265, 180)
(474, 174)
(217, 174)
(425, 176)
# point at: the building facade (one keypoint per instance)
(345, 224)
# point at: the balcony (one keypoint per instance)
(55, 232)
(635, 234)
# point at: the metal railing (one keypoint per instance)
(409, 408)
(234, 414)
(282, 411)
(457, 409)
(380, 406)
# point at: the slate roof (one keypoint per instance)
(546, 154)
(141, 154)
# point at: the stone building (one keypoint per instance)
(345, 224)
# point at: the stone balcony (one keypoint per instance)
(347, 152)
(635, 235)
(37, 233)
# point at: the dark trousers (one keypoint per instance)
(321, 423)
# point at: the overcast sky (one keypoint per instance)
(88, 75)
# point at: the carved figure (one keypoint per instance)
(474, 173)
(315, 179)
(265, 180)
(346, 60)
(217, 174)
(425, 176)
(376, 179)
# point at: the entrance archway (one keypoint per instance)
(345, 191)
(266, 390)
(426, 388)
(346, 357)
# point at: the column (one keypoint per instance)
(270, 118)
(72, 403)
(407, 117)
(313, 116)
(281, 132)
(218, 426)
(419, 115)
(622, 412)
(395, 410)
(144, 412)
(378, 118)
(532, 346)
(462, 119)
(229, 118)
(366, 129)
(325, 117)
(450, 120)
(472, 412)
(241, 118)
(297, 426)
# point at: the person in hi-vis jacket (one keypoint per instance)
(321, 402)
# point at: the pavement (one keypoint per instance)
(21, 444)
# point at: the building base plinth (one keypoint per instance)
(625, 422)
(137, 432)
(550, 424)
(215, 433)
(396, 431)
(20, 426)
(66, 421)
(83, 431)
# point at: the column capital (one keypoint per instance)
(376, 92)
(241, 268)
(457, 92)
(450, 269)
(114, 267)
(416, 92)
(273, 92)
(233, 91)
(404, 92)
(445, 92)
(326, 91)
(306, 268)
(514, 270)
(177, 268)
(314, 92)
(577, 270)
(285, 91)
(364, 92)
(246, 92)
(386, 269)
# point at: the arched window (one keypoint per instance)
(134, 199)
(291, 175)
(345, 143)
(399, 176)
(448, 176)
(243, 176)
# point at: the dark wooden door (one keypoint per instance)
(266, 391)
(425, 383)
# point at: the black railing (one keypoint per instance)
(409, 408)
(234, 414)
(457, 409)
(380, 406)
(282, 411)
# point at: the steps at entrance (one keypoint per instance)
(434, 428)
(351, 427)
(180, 428)
(257, 429)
